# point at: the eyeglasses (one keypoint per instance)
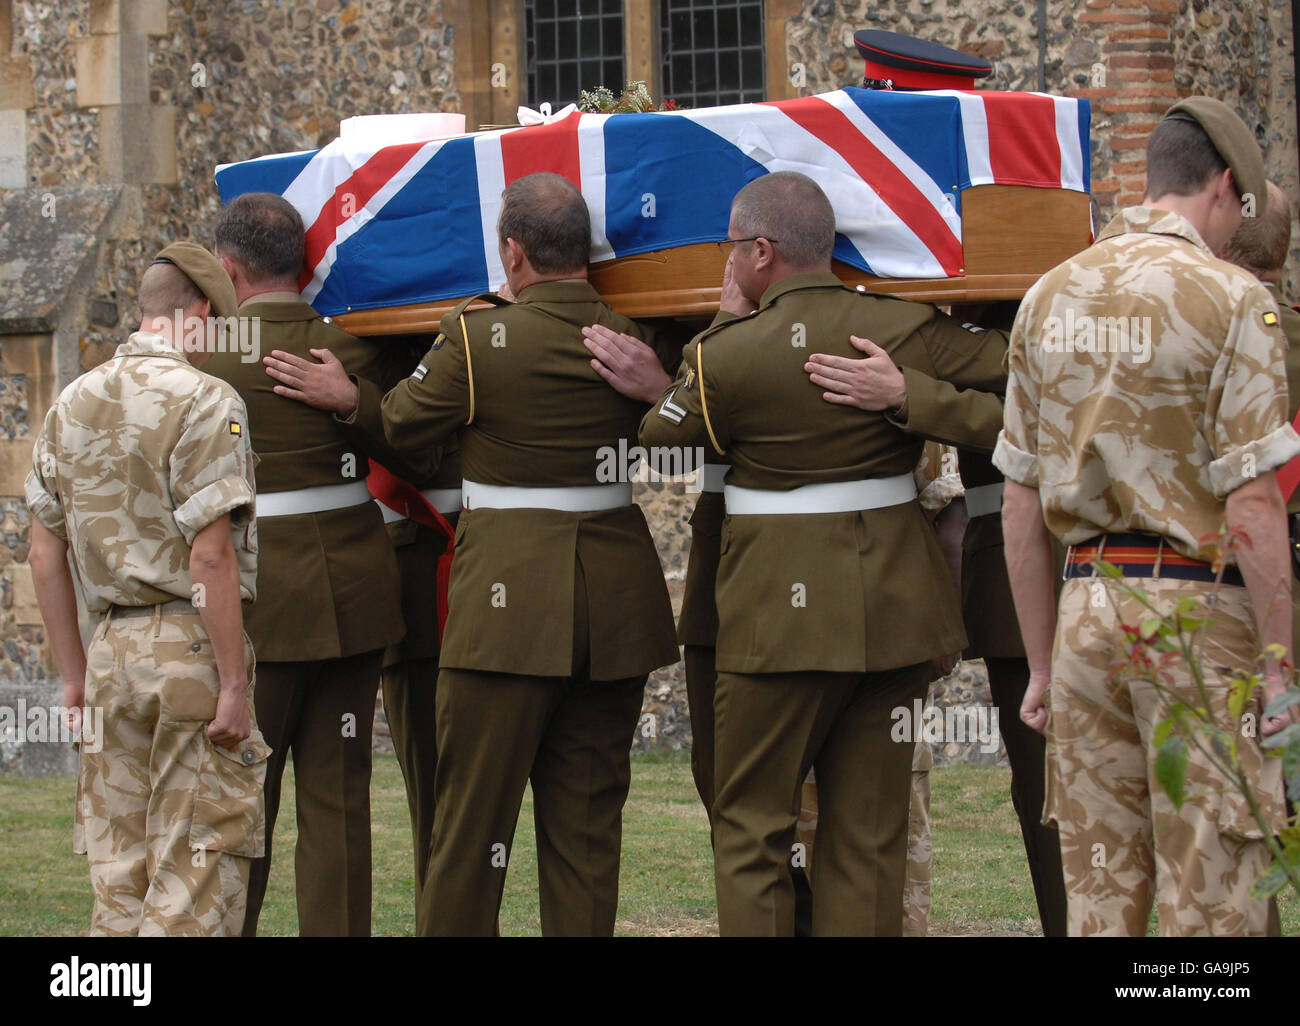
(726, 244)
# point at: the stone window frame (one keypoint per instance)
(491, 72)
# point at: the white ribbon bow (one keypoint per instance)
(528, 116)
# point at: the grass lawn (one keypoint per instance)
(981, 883)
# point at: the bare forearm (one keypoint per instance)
(1029, 566)
(57, 598)
(216, 579)
(1265, 563)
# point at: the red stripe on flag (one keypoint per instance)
(348, 198)
(537, 148)
(834, 128)
(1023, 147)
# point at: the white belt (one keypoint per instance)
(445, 500)
(711, 475)
(587, 499)
(835, 497)
(984, 499)
(312, 500)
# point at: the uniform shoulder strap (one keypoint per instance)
(457, 316)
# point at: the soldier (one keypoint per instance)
(1134, 447)
(812, 658)
(1260, 245)
(420, 510)
(328, 598)
(558, 607)
(143, 473)
(987, 609)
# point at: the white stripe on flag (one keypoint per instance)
(1067, 134)
(491, 184)
(591, 166)
(887, 242)
(367, 213)
(935, 193)
(975, 131)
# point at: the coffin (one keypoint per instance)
(939, 196)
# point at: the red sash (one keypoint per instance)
(1289, 476)
(404, 498)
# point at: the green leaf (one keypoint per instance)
(1150, 626)
(1282, 702)
(1283, 738)
(1186, 605)
(1223, 743)
(1239, 692)
(1269, 882)
(1163, 730)
(1275, 651)
(1171, 769)
(1291, 771)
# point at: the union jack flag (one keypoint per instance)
(416, 222)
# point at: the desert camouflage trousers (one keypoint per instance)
(168, 820)
(916, 884)
(1123, 844)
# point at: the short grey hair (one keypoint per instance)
(791, 210)
(547, 216)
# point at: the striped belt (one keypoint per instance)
(312, 500)
(984, 499)
(445, 500)
(586, 499)
(711, 475)
(1141, 555)
(169, 608)
(833, 497)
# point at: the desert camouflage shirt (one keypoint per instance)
(136, 457)
(1147, 381)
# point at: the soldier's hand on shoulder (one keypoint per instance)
(630, 366)
(874, 383)
(324, 385)
(231, 724)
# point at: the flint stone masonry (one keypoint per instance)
(141, 99)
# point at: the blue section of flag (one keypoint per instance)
(270, 174)
(676, 169)
(898, 115)
(425, 244)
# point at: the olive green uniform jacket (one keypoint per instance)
(841, 592)
(327, 582)
(514, 384)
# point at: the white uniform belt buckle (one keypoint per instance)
(583, 499)
(983, 500)
(711, 475)
(445, 500)
(832, 497)
(312, 500)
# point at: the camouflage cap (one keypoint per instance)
(1234, 141)
(206, 272)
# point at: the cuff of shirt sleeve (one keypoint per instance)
(352, 419)
(211, 502)
(44, 507)
(1015, 464)
(1234, 469)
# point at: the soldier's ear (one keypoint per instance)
(232, 268)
